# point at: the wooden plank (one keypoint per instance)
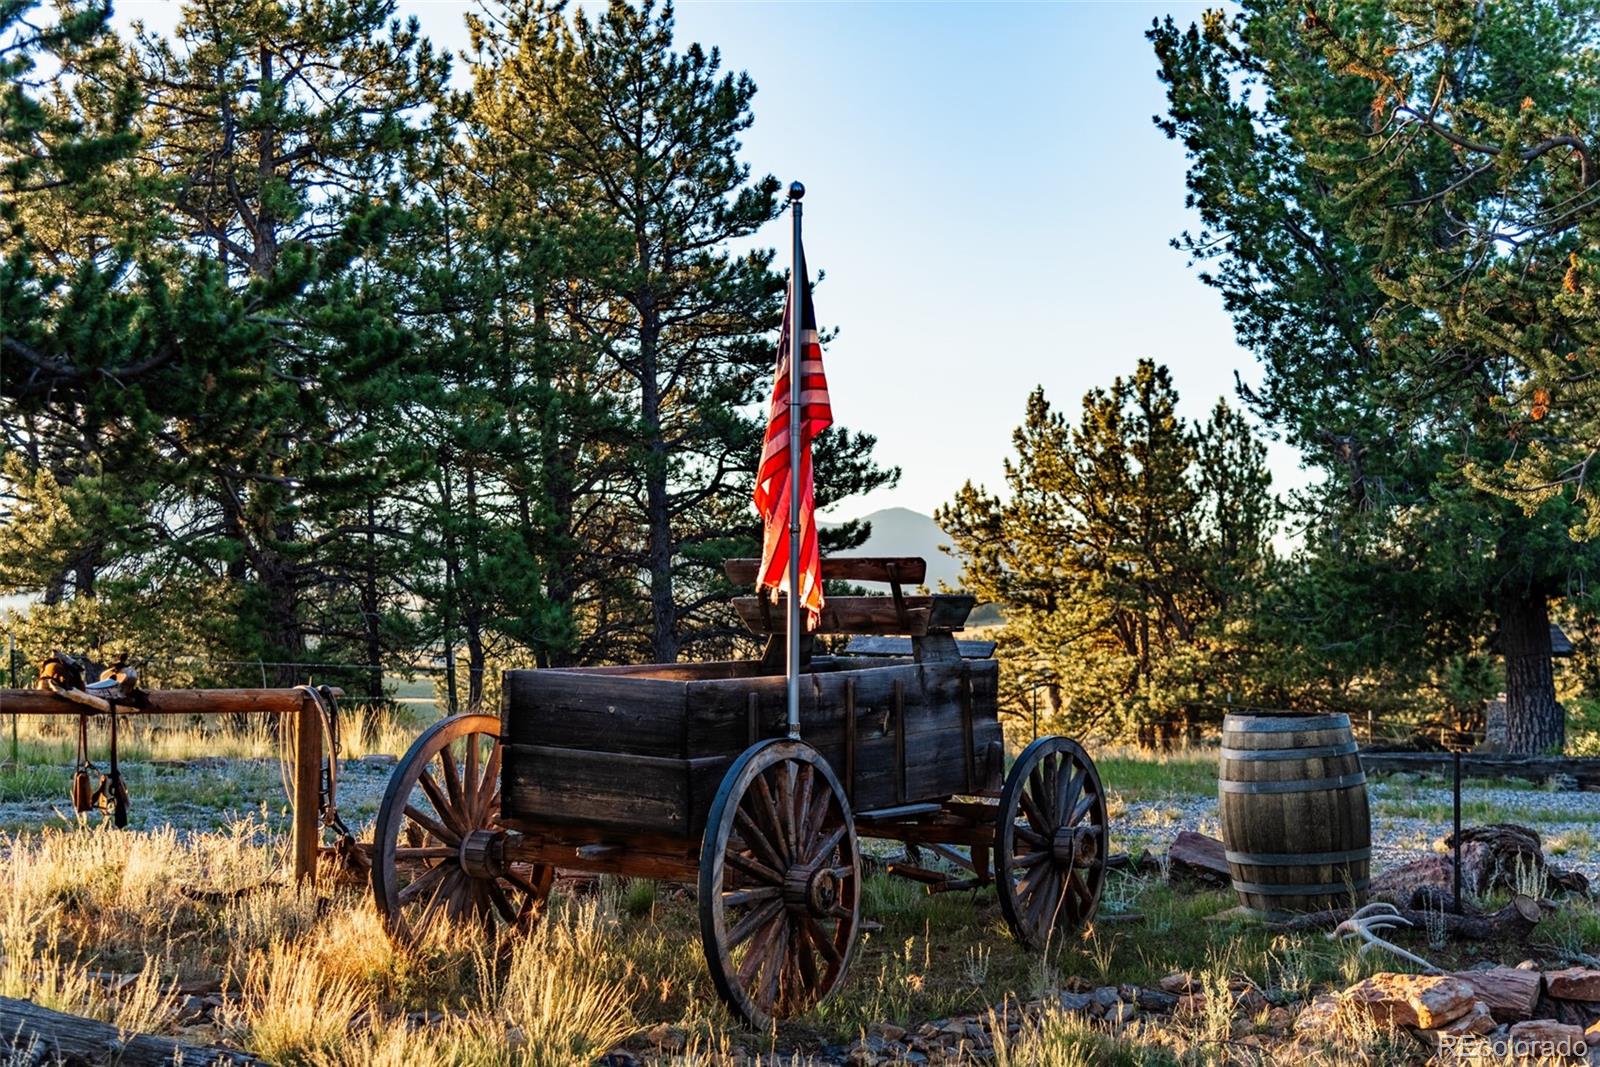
(164, 702)
(864, 614)
(612, 790)
(593, 710)
(899, 811)
(908, 570)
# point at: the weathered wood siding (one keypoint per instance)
(644, 749)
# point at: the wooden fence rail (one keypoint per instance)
(282, 702)
(1483, 765)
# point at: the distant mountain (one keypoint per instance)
(903, 532)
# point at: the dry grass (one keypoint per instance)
(310, 979)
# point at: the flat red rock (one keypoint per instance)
(1423, 1000)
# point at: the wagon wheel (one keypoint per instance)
(780, 883)
(436, 849)
(1050, 847)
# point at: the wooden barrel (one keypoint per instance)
(1293, 800)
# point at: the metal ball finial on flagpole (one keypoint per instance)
(796, 442)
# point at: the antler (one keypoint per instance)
(1374, 917)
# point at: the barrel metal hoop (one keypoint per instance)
(1348, 748)
(1265, 724)
(1312, 785)
(1283, 859)
(1300, 890)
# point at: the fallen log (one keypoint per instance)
(1510, 994)
(35, 1035)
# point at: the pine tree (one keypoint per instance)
(1392, 206)
(1125, 548)
(644, 138)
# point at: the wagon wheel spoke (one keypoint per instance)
(1037, 819)
(424, 882)
(768, 808)
(428, 823)
(469, 777)
(452, 779)
(426, 852)
(754, 921)
(821, 851)
(740, 897)
(753, 868)
(785, 777)
(758, 841)
(823, 941)
(488, 789)
(448, 815)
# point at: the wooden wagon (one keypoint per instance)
(686, 772)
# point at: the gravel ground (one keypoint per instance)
(205, 793)
(1565, 820)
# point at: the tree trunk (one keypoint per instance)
(1535, 721)
(658, 511)
(370, 626)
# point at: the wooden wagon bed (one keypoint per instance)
(644, 748)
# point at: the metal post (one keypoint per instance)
(796, 359)
(1457, 838)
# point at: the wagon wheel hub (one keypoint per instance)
(1074, 846)
(812, 890)
(483, 853)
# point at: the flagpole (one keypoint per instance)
(796, 443)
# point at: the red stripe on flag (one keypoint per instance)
(772, 491)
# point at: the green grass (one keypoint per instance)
(1136, 775)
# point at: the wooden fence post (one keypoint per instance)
(307, 789)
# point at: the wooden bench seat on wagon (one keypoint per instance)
(927, 621)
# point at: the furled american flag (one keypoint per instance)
(772, 476)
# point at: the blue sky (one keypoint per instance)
(989, 200)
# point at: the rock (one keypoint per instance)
(886, 1031)
(1177, 982)
(666, 1038)
(1106, 997)
(1546, 1040)
(1527, 965)
(862, 1054)
(1476, 1022)
(1155, 1000)
(1427, 1001)
(1574, 983)
(1121, 1015)
(378, 759)
(1191, 1004)
(1400, 883)
(1079, 1002)
(617, 1057)
(1198, 858)
(1509, 994)
(1252, 1002)
(1318, 1018)
(192, 1009)
(1279, 1021)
